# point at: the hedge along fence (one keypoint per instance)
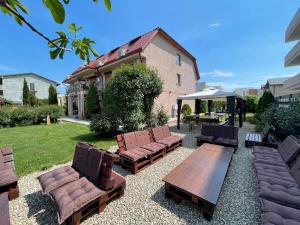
(25, 115)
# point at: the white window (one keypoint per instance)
(31, 87)
(178, 80)
(1, 92)
(178, 59)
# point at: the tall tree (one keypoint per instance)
(92, 102)
(52, 95)
(26, 93)
(61, 44)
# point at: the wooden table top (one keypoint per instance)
(203, 172)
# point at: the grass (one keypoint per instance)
(40, 147)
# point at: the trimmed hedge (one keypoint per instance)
(25, 115)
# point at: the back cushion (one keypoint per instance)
(166, 131)
(295, 169)
(93, 164)
(289, 148)
(142, 137)
(80, 157)
(106, 181)
(210, 130)
(130, 141)
(7, 153)
(226, 132)
(158, 133)
(2, 164)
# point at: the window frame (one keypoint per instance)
(31, 89)
(179, 80)
(1, 80)
(1, 93)
(178, 59)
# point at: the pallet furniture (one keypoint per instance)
(220, 135)
(264, 138)
(200, 177)
(278, 182)
(8, 177)
(96, 185)
(4, 209)
(141, 149)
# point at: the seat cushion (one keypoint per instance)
(176, 137)
(274, 171)
(136, 154)
(264, 150)
(276, 214)
(270, 161)
(56, 178)
(289, 196)
(169, 141)
(226, 141)
(206, 138)
(274, 180)
(7, 176)
(154, 147)
(74, 196)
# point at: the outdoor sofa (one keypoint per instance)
(140, 149)
(219, 134)
(278, 181)
(86, 186)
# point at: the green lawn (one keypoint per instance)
(39, 147)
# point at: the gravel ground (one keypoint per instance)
(144, 201)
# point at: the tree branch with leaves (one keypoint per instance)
(64, 42)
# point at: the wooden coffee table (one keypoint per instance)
(200, 177)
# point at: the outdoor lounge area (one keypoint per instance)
(144, 200)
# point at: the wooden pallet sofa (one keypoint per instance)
(265, 138)
(220, 135)
(140, 149)
(8, 177)
(86, 186)
(278, 182)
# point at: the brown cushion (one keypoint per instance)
(2, 164)
(74, 196)
(6, 150)
(7, 153)
(295, 169)
(80, 157)
(130, 141)
(154, 147)
(142, 137)
(271, 160)
(158, 133)
(276, 214)
(169, 141)
(226, 132)
(289, 196)
(226, 141)
(56, 178)
(93, 164)
(166, 131)
(274, 180)
(274, 171)
(7, 177)
(259, 150)
(136, 154)
(289, 148)
(209, 130)
(206, 138)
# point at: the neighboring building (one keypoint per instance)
(275, 86)
(11, 86)
(176, 67)
(61, 99)
(203, 85)
(247, 91)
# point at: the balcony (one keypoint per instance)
(293, 31)
(293, 57)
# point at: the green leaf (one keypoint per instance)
(57, 10)
(73, 29)
(107, 4)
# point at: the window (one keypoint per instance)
(1, 92)
(178, 80)
(178, 59)
(31, 87)
(1, 80)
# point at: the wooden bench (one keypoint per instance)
(200, 177)
(4, 209)
(264, 138)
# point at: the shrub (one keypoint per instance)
(41, 102)
(186, 110)
(52, 98)
(92, 102)
(203, 106)
(218, 105)
(265, 101)
(161, 116)
(105, 126)
(26, 93)
(130, 95)
(252, 103)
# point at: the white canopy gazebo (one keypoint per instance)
(211, 94)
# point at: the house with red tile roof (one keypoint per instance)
(176, 67)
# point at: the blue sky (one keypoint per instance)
(236, 43)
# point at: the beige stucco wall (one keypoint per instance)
(277, 90)
(161, 55)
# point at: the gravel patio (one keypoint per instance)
(144, 201)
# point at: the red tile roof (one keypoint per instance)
(135, 45)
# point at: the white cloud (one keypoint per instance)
(6, 68)
(214, 25)
(219, 73)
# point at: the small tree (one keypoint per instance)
(186, 110)
(52, 98)
(265, 101)
(26, 93)
(161, 116)
(92, 102)
(32, 99)
(252, 103)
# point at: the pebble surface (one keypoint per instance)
(144, 201)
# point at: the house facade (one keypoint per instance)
(11, 86)
(176, 67)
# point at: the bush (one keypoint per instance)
(41, 102)
(52, 98)
(24, 115)
(252, 103)
(161, 116)
(218, 105)
(105, 126)
(265, 101)
(203, 106)
(186, 110)
(92, 102)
